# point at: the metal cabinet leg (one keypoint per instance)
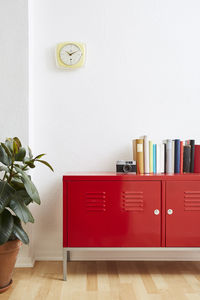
(68, 255)
(65, 264)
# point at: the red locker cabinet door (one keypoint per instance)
(114, 214)
(183, 214)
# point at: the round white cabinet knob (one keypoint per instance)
(170, 211)
(156, 212)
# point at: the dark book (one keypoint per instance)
(197, 159)
(192, 144)
(181, 157)
(177, 157)
(186, 158)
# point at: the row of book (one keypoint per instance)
(171, 156)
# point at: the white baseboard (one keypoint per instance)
(48, 258)
(25, 262)
(145, 255)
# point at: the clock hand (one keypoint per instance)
(72, 52)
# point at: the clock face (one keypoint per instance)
(70, 54)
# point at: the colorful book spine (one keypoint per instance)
(192, 144)
(150, 157)
(197, 159)
(154, 159)
(140, 156)
(172, 156)
(169, 157)
(186, 158)
(146, 155)
(181, 157)
(177, 156)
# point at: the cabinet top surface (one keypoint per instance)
(117, 176)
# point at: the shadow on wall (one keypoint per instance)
(48, 216)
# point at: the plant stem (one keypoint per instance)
(24, 167)
(11, 173)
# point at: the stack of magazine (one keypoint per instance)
(170, 156)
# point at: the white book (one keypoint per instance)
(162, 158)
(146, 155)
(169, 157)
(158, 152)
(173, 156)
(150, 157)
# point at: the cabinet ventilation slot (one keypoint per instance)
(132, 201)
(192, 200)
(95, 201)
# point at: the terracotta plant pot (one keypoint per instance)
(8, 257)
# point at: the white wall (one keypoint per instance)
(14, 69)
(142, 75)
(14, 116)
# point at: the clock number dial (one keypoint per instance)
(70, 54)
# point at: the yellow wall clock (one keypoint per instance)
(70, 55)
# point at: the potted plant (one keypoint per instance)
(17, 191)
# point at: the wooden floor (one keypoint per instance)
(107, 281)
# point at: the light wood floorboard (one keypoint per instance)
(108, 280)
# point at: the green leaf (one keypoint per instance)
(24, 196)
(39, 156)
(19, 231)
(19, 156)
(18, 142)
(9, 145)
(20, 209)
(6, 192)
(45, 163)
(3, 168)
(29, 186)
(4, 157)
(17, 183)
(8, 152)
(6, 226)
(15, 147)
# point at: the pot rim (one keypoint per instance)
(10, 246)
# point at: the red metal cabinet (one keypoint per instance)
(112, 210)
(114, 214)
(183, 214)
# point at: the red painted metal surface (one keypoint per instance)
(114, 210)
(127, 177)
(114, 214)
(183, 225)
(65, 200)
(163, 214)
